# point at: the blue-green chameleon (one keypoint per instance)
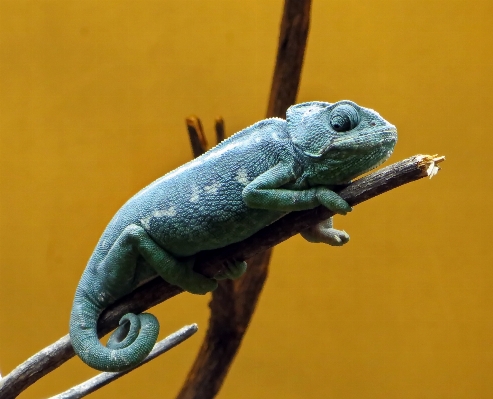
(245, 183)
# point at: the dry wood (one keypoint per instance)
(295, 25)
(234, 302)
(209, 263)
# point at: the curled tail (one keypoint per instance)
(128, 345)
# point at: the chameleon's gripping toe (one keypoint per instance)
(129, 344)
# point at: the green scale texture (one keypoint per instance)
(248, 181)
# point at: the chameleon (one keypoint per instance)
(245, 183)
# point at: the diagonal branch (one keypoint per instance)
(209, 263)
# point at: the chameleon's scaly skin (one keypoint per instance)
(245, 183)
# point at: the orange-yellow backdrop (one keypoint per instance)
(93, 96)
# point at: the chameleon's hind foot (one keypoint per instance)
(324, 232)
(231, 270)
(185, 277)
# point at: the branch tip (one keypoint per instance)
(428, 164)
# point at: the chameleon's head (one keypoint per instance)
(339, 141)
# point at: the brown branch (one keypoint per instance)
(220, 130)
(234, 302)
(198, 141)
(209, 263)
(232, 306)
(295, 24)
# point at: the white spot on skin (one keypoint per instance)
(146, 222)
(191, 165)
(171, 211)
(195, 194)
(212, 188)
(242, 177)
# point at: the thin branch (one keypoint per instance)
(219, 129)
(196, 134)
(209, 263)
(102, 379)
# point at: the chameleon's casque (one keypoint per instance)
(248, 181)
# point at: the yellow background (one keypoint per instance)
(93, 96)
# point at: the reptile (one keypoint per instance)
(245, 183)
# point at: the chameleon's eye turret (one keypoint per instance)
(344, 118)
(342, 133)
(313, 126)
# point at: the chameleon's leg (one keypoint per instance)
(266, 192)
(324, 232)
(135, 240)
(114, 276)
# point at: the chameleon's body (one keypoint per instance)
(242, 185)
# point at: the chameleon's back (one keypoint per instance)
(199, 205)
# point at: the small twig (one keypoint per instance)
(209, 263)
(219, 129)
(102, 379)
(196, 134)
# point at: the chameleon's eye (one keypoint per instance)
(344, 118)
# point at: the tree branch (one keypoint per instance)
(234, 302)
(209, 263)
(295, 25)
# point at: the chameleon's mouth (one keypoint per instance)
(380, 145)
(362, 153)
(383, 150)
